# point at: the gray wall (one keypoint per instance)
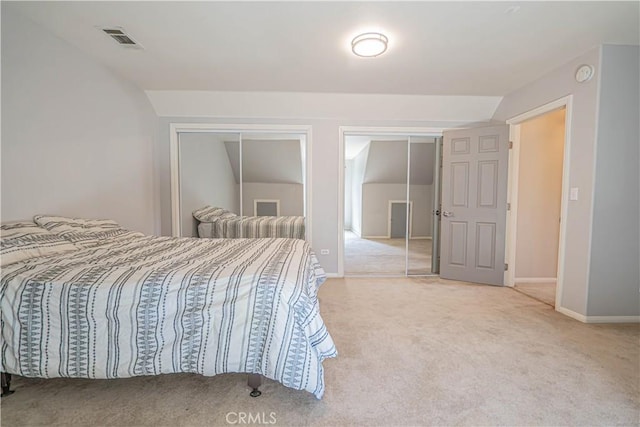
(539, 196)
(614, 278)
(291, 197)
(554, 85)
(387, 162)
(386, 179)
(375, 207)
(274, 161)
(206, 178)
(77, 140)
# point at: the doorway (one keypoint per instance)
(538, 196)
(398, 219)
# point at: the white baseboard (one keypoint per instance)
(580, 317)
(535, 280)
(613, 319)
(420, 238)
(375, 237)
(598, 319)
(333, 275)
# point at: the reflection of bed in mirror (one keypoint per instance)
(214, 222)
(248, 174)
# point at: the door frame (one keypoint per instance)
(512, 190)
(175, 129)
(391, 202)
(366, 130)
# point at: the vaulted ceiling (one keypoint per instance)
(435, 48)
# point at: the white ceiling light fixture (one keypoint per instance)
(369, 45)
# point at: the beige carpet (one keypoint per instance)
(544, 292)
(412, 352)
(377, 257)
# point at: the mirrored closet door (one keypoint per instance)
(390, 203)
(209, 175)
(272, 175)
(254, 179)
(421, 195)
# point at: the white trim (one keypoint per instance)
(341, 166)
(333, 276)
(598, 319)
(567, 103)
(539, 111)
(410, 214)
(358, 130)
(174, 166)
(613, 319)
(256, 201)
(375, 237)
(240, 179)
(535, 280)
(513, 173)
(176, 128)
(580, 317)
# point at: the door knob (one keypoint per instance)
(447, 213)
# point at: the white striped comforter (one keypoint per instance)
(152, 305)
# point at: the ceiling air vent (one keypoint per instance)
(121, 37)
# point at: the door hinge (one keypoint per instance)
(510, 145)
(508, 206)
(506, 266)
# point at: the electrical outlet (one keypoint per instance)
(324, 251)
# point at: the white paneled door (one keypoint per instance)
(474, 204)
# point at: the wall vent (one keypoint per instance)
(120, 36)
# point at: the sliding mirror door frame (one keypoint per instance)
(422, 190)
(402, 132)
(175, 129)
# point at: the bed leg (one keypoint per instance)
(6, 384)
(254, 382)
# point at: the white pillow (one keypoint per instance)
(20, 241)
(11, 230)
(83, 232)
(62, 225)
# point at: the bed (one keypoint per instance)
(220, 223)
(87, 302)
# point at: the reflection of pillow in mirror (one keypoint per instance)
(211, 214)
(62, 225)
(21, 241)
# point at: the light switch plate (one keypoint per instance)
(573, 193)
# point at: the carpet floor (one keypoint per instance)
(413, 351)
(379, 257)
(545, 292)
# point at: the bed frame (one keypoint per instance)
(254, 381)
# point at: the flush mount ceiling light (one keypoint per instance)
(369, 44)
